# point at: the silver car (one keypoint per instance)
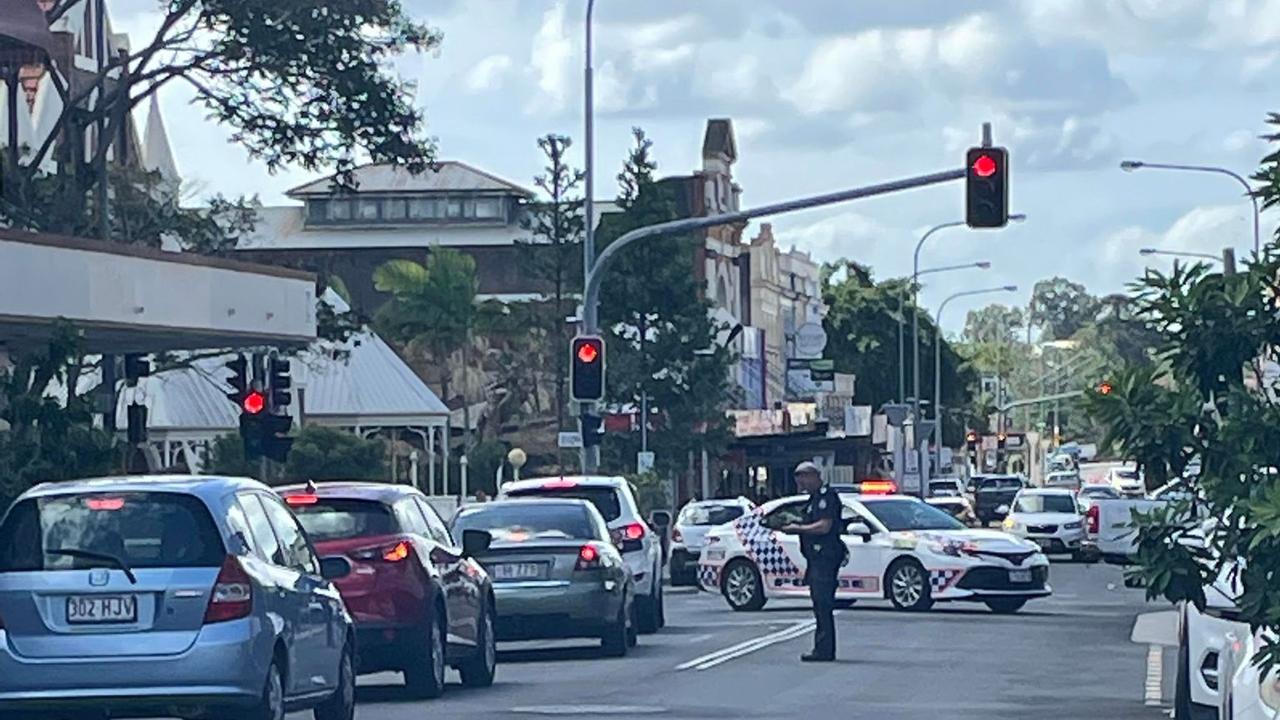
(690, 534)
(175, 596)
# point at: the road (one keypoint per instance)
(1067, 657)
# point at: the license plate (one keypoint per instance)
(1020, 576)
(102, 610)
(1045, 544)
(518, 571)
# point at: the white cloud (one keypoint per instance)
(550, 59)
(488, 73)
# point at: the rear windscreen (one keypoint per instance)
(335, 519)
(604, 498)
(710, 514)
(139, 529)
(990, 484)
(525, 521)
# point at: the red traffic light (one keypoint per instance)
(254, 402)
(588, 352)
(971, 437)
(984, 166)
(1104, 388)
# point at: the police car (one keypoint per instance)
(900, 548)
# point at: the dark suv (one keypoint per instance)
(993, 495)
(419, 601)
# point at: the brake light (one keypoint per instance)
(397, 553)
(1093, 519)
(302, 500)
(232, 596)
(879, 487)
(104, 504)
(557, 484)
(588, 558)
(634, 531)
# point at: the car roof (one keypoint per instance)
(1046, 491)
(601, 481)
(539, 501)
(199, 485)
(354, 490)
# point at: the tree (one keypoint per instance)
(1061, 307)
(431, 306)
(322, 453)
(994, 323)
(1209, 399)
(662, 342)
(226, 457)
(554, 255)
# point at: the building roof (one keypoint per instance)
(445, 176)
(157, 154)
(719, 139)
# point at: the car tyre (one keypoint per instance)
(480, 669)
(633, 627)
(742, 587)
(613, 641)
(271, 705)
(425, 677)
(651, 611)
(907, 585)
(342, 704)
(1005, 606)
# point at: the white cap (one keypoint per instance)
(808, 467)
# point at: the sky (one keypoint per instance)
(832, 94)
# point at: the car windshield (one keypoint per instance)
(137, 530)
(515, 522)
(1039, 503)
(1099, 491)
(604, 498)
(1126, 474)
(339, 519)
(938, 487)
(995, 484)
(709, 514)
(908, 514)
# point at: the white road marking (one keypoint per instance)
(732, 652)
(699, 638)
(1152, 689)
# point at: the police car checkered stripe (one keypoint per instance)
(709, 577)
(940, 580)
(761, 547)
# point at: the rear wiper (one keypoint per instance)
(91, 555)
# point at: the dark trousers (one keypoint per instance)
(822, 578)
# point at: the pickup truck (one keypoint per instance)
(993, 495)
(1109, 522)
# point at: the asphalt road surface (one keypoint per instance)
(1067, 657)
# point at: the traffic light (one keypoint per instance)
(279, 383)
(274, 431)
(135, 368)
(239, 380)
(587, 368)
(592, 430)
(987, 187)
(1001, 437)
(136, 414)
(1105, 388)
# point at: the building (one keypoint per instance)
(786, 294)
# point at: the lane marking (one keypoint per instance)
(1152, 690)
(747, 647)
(699, 638)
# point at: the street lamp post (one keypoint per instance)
(1132, 165)
(588, 455)
(937, 361)
(1179, 253)
(902, 332)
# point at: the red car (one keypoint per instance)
(419, 601)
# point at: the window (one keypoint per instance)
(488, 208)
(293, 541)
(454, 208)
(1046, 504)
(395, 209)
(420, 209)
(318, 210)
(410, 518)
(339, 210)
(264, 539)
(709, 514)
(518, 522)
(439, 532)
(789, 514)
(239, 524)
(368, 209)
(900, 515)
(340, 519)
(103, 529)
(604, 498)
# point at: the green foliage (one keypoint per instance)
(1208, 399)
(651, 492)
(994, 323)
(226, 457)
(321, 453)
(1061, 307)
(661, 339)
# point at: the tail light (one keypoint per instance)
(398, 552)
(1093, 520)
(628, 537)
(588, 558)
(232, 596)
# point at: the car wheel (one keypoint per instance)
(425, 677)
(342, 705)
(613, 641)
(742, 587)
(480, 668)
(662, 607)
(271, 705)
(633, 627)
(908, 586)
(651, 610)
(1005, 606)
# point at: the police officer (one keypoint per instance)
(824, 553)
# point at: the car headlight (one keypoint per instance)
(1269, 689)
(1012, 525)
(954, 548)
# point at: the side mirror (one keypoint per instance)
(1002, 510)
(475, 542)
(859, 528)
(334, 567)
(660, 519)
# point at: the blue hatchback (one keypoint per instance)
(174, 595)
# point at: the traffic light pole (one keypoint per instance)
(591, 295)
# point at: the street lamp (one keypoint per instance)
(1179, 253)
(915, 306)
(1132, 165)
(937, 362)
(902, 353)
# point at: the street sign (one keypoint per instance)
(570, 440)
(644, 461)
(811, 340)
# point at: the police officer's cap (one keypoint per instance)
(808, 467)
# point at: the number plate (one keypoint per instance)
(518, 571)
(102, 610)
(1044, 544)
(1019, 576)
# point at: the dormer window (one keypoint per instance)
(390, 210)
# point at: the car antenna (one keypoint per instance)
(311, 487)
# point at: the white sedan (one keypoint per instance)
(900, 548)
(1249, 694)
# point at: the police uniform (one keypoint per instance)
(824, 555)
